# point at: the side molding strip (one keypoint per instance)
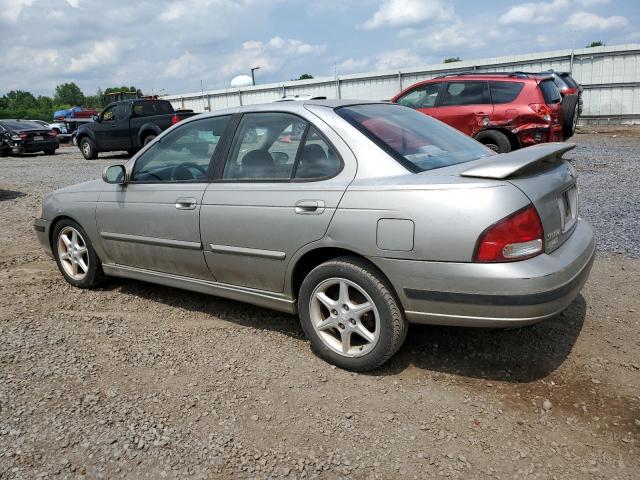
(250, 252)
(161, 242)
(262, 298)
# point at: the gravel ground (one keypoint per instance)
(135, 380)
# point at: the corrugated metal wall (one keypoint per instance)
(610, 76)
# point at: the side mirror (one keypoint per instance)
(114, 174)
(95, 118)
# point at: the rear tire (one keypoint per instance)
(76, 258)
(368, 306)
(495, 140)
(569, 122)
(88, 148)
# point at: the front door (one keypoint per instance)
(278, 191)
(465, 105)
(153, 221)
(105, 128)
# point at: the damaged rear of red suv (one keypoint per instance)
(505, 111)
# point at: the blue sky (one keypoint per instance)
(170, 46)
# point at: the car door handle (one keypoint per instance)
(309, 207)
(186, 203)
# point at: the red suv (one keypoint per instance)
(504, 111)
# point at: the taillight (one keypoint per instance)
(53, 133)
(23, 135)
(515, 237)
(543, 110)
(175, 119)
(569, 91)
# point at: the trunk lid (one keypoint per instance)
(545, 178)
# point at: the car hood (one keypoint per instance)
(90, 186)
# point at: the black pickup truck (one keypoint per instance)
(127, 125)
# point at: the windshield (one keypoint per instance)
(416, 140)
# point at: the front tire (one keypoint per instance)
(76, 258)
(495, 140)
(350, 315)
(88, 148)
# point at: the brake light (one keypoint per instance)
(53, 133)
(175, 119)
(23, 135)
(515, 237)
(543, 110)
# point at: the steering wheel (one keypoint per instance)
(200, 168)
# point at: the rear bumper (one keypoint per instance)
(35, 147)
(540, 134)
(495, 294)
(42, 228)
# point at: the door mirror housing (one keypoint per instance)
(96, 118)
(115, 174)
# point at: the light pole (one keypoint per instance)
(253, 75)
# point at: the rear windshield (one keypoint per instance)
(416, 140)
(550, 92)
(505, 92)
(571, 83)
(22, 125)
(147, 108)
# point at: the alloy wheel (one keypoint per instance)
(86, 148)
(73, 253)
(344, 317)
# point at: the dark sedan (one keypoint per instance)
(23, 136)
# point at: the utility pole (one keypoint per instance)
(253, 76)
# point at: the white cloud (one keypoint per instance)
(591, 21)
(10, 10)
(183, 65)
(353, 65)
(398, 13)
(73, 3)
(397, 59)
(102, 53)
(533, 12)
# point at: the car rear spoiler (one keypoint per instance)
(505, 165)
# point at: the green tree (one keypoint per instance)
(452, 60)
(69, 94)
(595, 44)
(305, 76)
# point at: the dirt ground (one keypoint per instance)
(135, 380)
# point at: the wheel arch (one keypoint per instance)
(320, 254)
(55, 222)
(146, 130)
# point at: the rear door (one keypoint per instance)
(278, 190)
(464, 105)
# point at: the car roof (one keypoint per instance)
(293, 107)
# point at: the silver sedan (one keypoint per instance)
(359, 217)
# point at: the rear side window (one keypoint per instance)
(465, 93)
(505, 92)
(416, 141)
(550, 92)
(146, 108)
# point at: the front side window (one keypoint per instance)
(183, 154)
(465, 93)
(109, 114)
(423, 96)
(416, 140)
